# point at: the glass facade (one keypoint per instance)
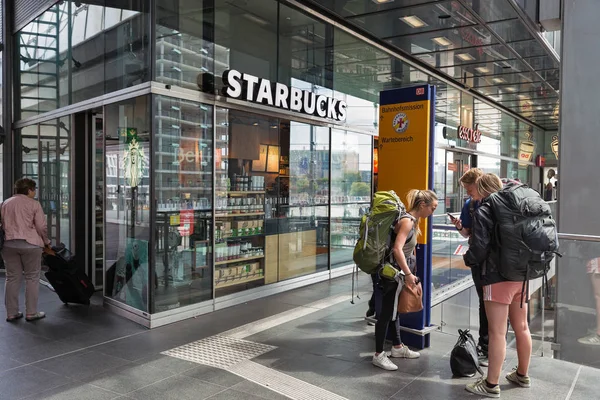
(198, 197)
(76, 51)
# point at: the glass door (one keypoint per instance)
(455, 195)
(448, 245)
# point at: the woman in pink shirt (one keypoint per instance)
(26, 235)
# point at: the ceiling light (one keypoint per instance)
(483, 70)
(382, 1)
(465, 57)
(498, 80)
(413, 21)
(442, 41)
(256, 19)
(511, 89)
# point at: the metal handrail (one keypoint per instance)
(574, 236)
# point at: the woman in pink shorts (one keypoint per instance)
(502, 298)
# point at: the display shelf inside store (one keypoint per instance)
(219, 285)
(238, 237)
(240, 192)
(239, 215)
(245, 259)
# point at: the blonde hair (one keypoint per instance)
(488, 184)
(415, 198)
(471, 176)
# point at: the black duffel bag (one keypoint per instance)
(463, 358)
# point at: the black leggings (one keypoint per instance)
(388, 291)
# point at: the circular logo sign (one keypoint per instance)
(400, 122)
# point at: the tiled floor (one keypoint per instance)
(88, 353)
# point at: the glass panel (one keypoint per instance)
(28, 138)
(304, 188)
(185, 54)
(354, 9)
(452, 38)
(247, 160)
(448, 245)
(351, 174)
(54, 184)
(511, 30)
(183, 166)
(572, 305)
(454, 315)
(75, 51)
(415, 20)
(100, 202)
(127, 138)
(492, 10)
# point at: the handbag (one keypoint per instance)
(410, 298)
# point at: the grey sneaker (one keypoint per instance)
(480, 388)
(382, 361)
(593, 339)
(404, 352)
(523, 381)
(483, 361)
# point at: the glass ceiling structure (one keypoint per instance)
(485, 45)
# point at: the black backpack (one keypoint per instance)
(464, 361)
(525, 232)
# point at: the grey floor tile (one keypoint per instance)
(19, 341)
(365, 381)
(254, 389)
(136, 347)
(27, 381)
(82, 365)
(168, 363)
(586, 386)
(214, 375)
(75, 390)
(101, 335)
(127, 378)
(177, 388)
(44, 351)
(312, 369)
(425, 389)
(231, 394)
(56, 328)
(7, 363)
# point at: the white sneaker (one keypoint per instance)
(382, 361)
(404, 352)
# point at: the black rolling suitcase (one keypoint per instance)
(71, 284)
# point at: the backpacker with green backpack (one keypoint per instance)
(375, 230)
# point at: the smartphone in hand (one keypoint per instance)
(452, 217)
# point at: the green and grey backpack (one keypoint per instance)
(375, 230)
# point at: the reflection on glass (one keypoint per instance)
(304, 194)
(127, 225)
(183, 203)
(448, 245)
(75, 51)
(351, 172)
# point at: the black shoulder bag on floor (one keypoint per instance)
(463, 359)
